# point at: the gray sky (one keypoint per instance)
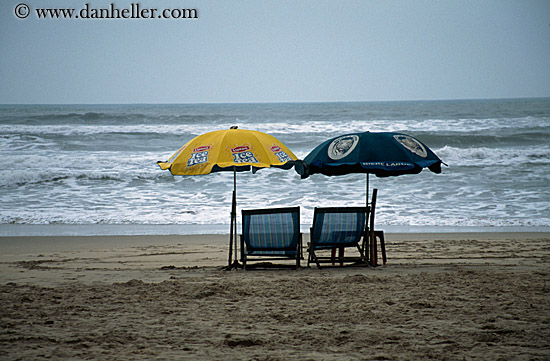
(278, 51)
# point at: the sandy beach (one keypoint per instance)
(446, 296)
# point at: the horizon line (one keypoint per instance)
(287, 102)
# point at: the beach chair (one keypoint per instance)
(337, 228)
(271, 234)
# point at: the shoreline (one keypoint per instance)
(28, 244)
(27, 230)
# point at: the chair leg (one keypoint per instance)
(362, 253)
(374, 253)
(340, 256)
(243, 253)
(374, 250)
(313, 257)
(316, 261)
(380, 235)
(366, 248)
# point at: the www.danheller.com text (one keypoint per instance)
(133, 11)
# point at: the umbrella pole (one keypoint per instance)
(233, 230)
(235, 210)
(367, 189)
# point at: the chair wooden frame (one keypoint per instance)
(337, 234)
(271, 234)
(369, 246)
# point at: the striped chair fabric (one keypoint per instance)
(339, 226)
(336, 227)
(271, 232)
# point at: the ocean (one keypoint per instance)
(91, 169)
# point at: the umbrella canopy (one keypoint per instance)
(383, 154)
(234, 150)
(229, 150)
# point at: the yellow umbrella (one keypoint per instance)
(229, 150)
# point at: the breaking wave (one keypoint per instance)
(96, 164)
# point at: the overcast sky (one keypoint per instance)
(278, 51)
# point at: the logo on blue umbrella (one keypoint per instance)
(342, 146)
(411, 144)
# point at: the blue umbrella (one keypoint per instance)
(383, 154)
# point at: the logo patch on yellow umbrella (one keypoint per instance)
(199, 156)
(243, 154)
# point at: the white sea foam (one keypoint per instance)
(97, 165)
(290, 126)
(502, 156)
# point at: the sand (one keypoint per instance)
(447, 296)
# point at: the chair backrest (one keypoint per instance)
(271, 229)
(338, 226)
(373, 210)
